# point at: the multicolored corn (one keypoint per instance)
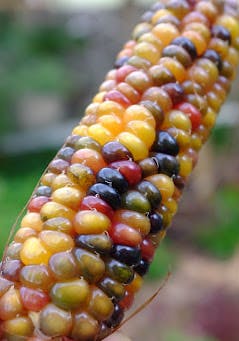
(107, 199)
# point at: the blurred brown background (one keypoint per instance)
(53, 56)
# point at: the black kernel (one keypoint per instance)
(214, 57)
(156, 221)
(165, 143)
(221, 33)
(112, 178)
(142, 268)
(187, 44)
(126, 254)
(116, 317)
(107, 193)
(167, 164)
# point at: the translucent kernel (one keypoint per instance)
(166, 32)
(136, 220)
(55, 321)
(164, 184)
(54, 210)
(229, 23)
(91, 267)
(60, 181)
(91, 222)
(111, 122)
(90, 158)
(186, 165)
(81, 175)
(10, 304)
(85, 327)
(56, 241)
(147, 51)
(71, 294)
(100, 133)
(110, 108)
(33, 252)
(134, 144)
(81, 130)
(19, 326)
(139, 113)
(67, 196)
(59, 224)
(160, 14)
(142, 130)
(175, 67)
(23, 233)
(177, 119)
(32, 220)
(36, 276)
(198, 41)
(101, 306)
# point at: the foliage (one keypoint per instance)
(33, 58)
(222, 238)
(18, 176)
(177, 335)
(164, 261)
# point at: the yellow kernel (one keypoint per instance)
(136, 284)
(229, 23)
(172, 205)
(199, 28)
(139, 113)
(60, 181)
(70, 197)
(160, 14)
(91, 222)
(100, 133)
(111, 122)
(99, 98)
(81, 130)
(92, 109)
(182, 137)
(134, 144)
(53, 210)
(20, 326)
(196, 142)
(185, 165)
(175, 67)
(47, 179)
(23, 233)
(152, 39)
(166, 32)
(164, 184)
(142, 130)
(32, 220)
(197, 39)
(10, 304)
(147, 51)
(55, 241)
(110, 107)
(177, 119)
(33, 252)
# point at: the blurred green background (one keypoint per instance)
(51, 61)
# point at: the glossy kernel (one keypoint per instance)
(88, 157)
(53, 210)
(32, 220)
(90, 265)
(164, 184)
(91, 222)
(101, 306)
(135, 145)
(33, 252)
(56, 241)
(67, 196)
(85, 327)
(71, 294)
(55, 321)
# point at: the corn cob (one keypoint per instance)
(107, 199)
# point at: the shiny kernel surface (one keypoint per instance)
(91, 222)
